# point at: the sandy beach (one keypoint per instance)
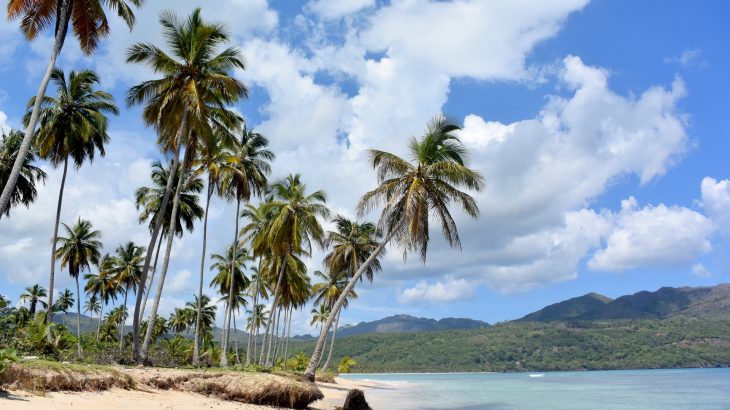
(120, 399)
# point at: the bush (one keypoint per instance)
(7, 356)
(298, 363)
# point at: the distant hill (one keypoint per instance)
(409, 324)
(711, 301)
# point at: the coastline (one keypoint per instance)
(335, 393)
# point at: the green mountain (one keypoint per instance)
(712, 301)
(409, 324)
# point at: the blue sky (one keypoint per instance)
(600, 127)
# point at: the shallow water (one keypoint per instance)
(697, 389)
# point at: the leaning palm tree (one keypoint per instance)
(73, 125)
(185, 103)
(79, 249)
(149, 201)
(89, 22)
(34, 295)
(293, 228)
(24, 191)
(326, 293)
(245, 178)
(410, 192)
(127, 271)
(102, 285)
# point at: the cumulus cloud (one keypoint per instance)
(700, 271)
(716, 201)
(334, 9)
(653, 236)
(448, 290)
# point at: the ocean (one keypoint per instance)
(691, 389)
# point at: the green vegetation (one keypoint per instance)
(533, 346)
(7, 356)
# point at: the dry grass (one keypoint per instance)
(245, 387)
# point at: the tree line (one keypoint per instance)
(211, 153)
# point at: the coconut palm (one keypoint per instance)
(186, 102)
(73, 125)
(207, 317)
(102, 285)
(326, 293)
(89, 22)
(34, 295)
(296, 291)
(179, 320)
(352, 244)
(64, 302)
(293, 228)
(24, 191)
(410, 192)
(79, 249)
(93, 305)
(127, 271)
(320, 315)
(214, 159)
(149, 200)
(245, 178)
(257, 288)
(256, 319)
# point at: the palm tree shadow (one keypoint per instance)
(5, 395)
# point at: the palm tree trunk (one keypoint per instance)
(121, 327)
(272, 336)
(224, 358)
(288, 335)
(166, 260)
(49, 315)
(146, 290)
(196, 342)
(277, 338)
(137, 354)
(332, 342)
(64, 14)
(253, 311)
(235, 338)
(78, 321)
(279, 281)
(317, 354)
(98, 325)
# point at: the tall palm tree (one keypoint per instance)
(256, 319)
(24, 191)
(79, 249)
(64, 302)
(191, 95)
(227, 282)
(352, 244)
(102, 285)
(246, 177)
(127, 271)
(89, 22)
(258, 288)
(294, 226)
(326, 293)
(320, 315)
(296, 291)
(34, 295)
(207, 317)
(149, 201)
(93, 305)
(411, 191)
(179, 320)
(72, 125)
(214, 159)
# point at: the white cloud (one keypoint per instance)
(334, 9)
(700, 271)
(4, 126)
(716, 201)
(689, 58)
(438, 292)
(653, 236)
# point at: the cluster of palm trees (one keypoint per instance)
(213, 153)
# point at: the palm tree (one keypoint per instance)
(214, 159)
(326, 293)
(191, 96)
(224, 265)
(257, 288)
(93, 305)
(90, 24)
(24, 191)
(411, 191)
(127, 271)
(256, 319)
(4, 302)
(246, 177)
(34, 296)
(72, 125)
(79, 249)
(352, 244)
(149, 200)
(293, 228)
(320, 315)
(102, 285)
(179, 320)
(64, 302)
(207, 317)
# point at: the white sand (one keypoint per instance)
(335, 394)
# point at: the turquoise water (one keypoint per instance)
(695, 389)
